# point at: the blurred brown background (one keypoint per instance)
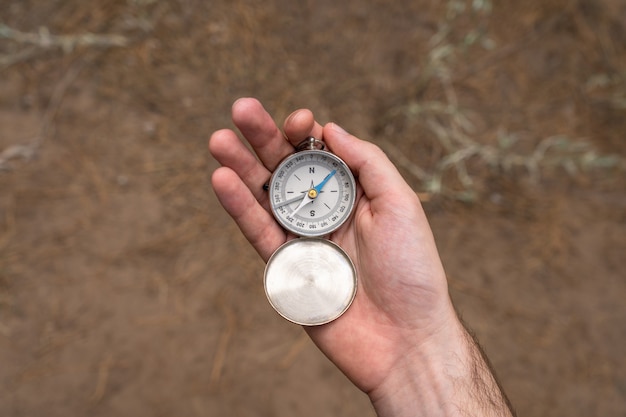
(126, 290)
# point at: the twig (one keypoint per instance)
(404, 162)
(27, 151)
(43, 39)
(224, 340)
(103, 378)
(296, 348)
(22, 55)
(17, 151)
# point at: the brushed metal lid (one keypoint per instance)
(310, 281)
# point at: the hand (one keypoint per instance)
(401, 341)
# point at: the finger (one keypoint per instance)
(256, 223)
(258, 127)
(376, 173)
(230, 152)
(301, 124)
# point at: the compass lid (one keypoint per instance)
(310, 281)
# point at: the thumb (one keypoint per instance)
(375, 172)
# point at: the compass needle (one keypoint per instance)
(324, 181)
(291, 201)
(307, 199)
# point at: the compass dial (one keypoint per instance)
(312, 193)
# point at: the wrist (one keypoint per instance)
(445, 375)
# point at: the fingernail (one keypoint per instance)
(339, 129)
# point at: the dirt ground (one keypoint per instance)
(126, 290)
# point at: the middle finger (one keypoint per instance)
(259, 129)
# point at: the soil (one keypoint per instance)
(126, 290)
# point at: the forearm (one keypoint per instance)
(449, 378)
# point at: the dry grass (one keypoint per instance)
(459, 166)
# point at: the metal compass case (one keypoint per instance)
(311, 280)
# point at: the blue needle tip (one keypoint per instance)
(318, 188)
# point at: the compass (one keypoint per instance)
(311, 280)
(312, 191)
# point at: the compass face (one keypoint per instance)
(312, 193)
